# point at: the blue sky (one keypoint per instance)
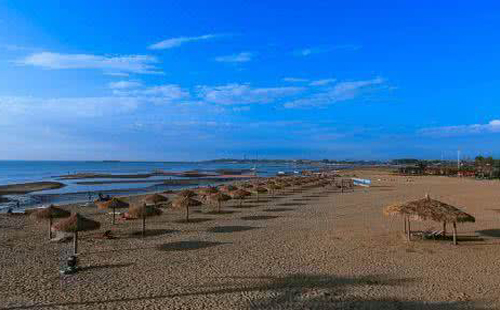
(193, 80)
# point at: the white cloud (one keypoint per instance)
(339, 92)
(141, 64)
(448, 131)
(241, 57)
(319, 50)
(65, 108)
(294, 80)
(176, 42)
(233, 94)
(322, 82)
(125, 84)
(158, 94)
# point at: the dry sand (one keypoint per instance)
(313, 250)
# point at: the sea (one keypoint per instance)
(16, 172)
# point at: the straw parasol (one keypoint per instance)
(185, 202)
(272, 187)
(50, 213)
(240, 194)
(204, 191)
(228, 188)
(186, 193)
(246, 185)
(155, 199)
(430, 209)
(143, 211)
(259, 190)
(218, 198)
(74, 224)
(114, 204)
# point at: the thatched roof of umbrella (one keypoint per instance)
(50, 212)
(113, 203)
(208, 190)
(155, 199)
(273, 186)
(228, 188)
(138, 211)
(240, 194)
(219, 197)
(246, 185)
(186, 193)
(260, 189)
(430, 209)
(76, 223)
(183, 202)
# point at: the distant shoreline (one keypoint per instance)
(25, 188)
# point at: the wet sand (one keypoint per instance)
(25, 188)
(315, 249)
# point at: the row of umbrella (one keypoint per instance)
(185, 199)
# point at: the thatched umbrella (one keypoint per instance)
(259, 190)
(205, 191)
(186, 193)
(219, 198)
(143, 211)
(50, 213)
(113, 204)
(272, 187)
(74, 224)
(155, 199)
(240, 194)
(185, 202)
(246, 185)
(228, 188)
(430, 209)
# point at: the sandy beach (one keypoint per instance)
(314, 249)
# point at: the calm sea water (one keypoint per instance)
(12, 172)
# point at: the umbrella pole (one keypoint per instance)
(75, 243)
(444, 229)
(143, 223)
(455, 233)
(114, 216)
(408, 233)
(405, 224)
(187, 213)
(50, 228)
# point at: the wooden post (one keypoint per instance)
(455, 233)
(444, 229)
(408, 233)
(50, 228)
(75, 243)
(405, 223)
(144, 221)
(187, 213)
(114, 216)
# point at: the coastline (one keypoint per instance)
(29, 187)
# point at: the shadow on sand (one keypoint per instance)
(258, 217)
(295, 291)
(193, 220)
(278, 210)
(492, 233)
(99, 267)
(230, 229)
(152, 233)
(188, 245)
(292, 204)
